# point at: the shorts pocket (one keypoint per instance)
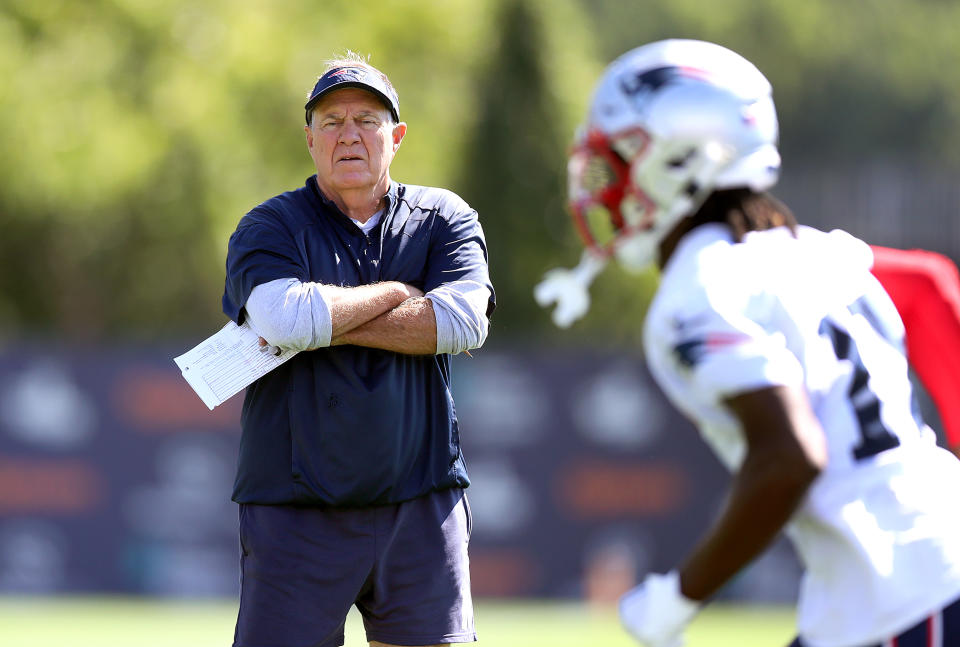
(242, 530)
(469, 514)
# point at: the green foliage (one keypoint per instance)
(137, 132)
(514, 173)
(849, 78)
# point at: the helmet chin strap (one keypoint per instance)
(569, 289)
(639, 251)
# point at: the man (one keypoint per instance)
(779, 344)
(350, 477)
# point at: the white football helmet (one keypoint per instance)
(669, 123)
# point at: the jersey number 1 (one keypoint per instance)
(875, 437)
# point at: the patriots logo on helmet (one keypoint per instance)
(653, 80)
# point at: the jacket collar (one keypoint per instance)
(331, 208)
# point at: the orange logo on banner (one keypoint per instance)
(501, 572)
(158, 401)
(591, 490)
(30, 485)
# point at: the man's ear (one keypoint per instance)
(398, 132)
(309, 132)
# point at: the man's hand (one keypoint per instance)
(656, 612)
(265, 347)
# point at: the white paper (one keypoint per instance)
(226, 363)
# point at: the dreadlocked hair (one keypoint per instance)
(744, 210)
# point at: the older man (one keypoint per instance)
(350, 478)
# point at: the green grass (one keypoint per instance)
(132, 622)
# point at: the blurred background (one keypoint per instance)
(136, 133)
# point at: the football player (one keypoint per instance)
(779, 343)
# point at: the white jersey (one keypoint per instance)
(879, 530)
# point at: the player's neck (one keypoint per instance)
(669, 243)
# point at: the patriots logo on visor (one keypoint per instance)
(345, 70)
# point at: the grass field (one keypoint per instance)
(122, 622)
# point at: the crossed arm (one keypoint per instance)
(410, 327)
(390, 315)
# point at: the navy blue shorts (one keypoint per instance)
(405, 567)
(941, 629)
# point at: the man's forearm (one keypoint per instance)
(410, 328)
(355, 306)
(305, 316)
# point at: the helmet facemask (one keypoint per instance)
(625, 210)
(603, 204)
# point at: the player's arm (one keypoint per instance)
(786, 450)
(925, 287)
(303, 316)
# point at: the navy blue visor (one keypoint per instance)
(354, 77)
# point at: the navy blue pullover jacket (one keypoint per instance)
(348, 425)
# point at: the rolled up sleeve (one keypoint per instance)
(260, 250)
(458, 283)
(461, 311)
(291, 314)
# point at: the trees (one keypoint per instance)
(137, 133)
(513, 171)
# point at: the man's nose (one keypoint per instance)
(349, 133)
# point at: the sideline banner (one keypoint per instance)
(115, 478)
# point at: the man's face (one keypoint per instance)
(352, 142)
